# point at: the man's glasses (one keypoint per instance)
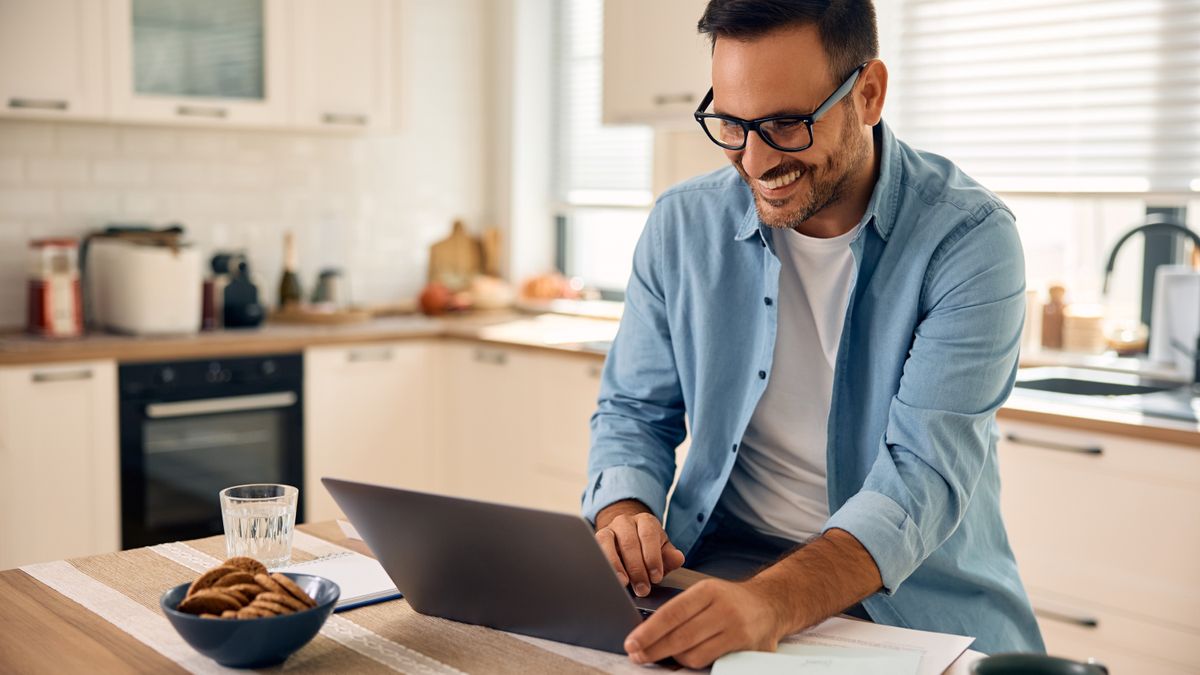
(786, 133)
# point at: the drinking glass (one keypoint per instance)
(259, 520)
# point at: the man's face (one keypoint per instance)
(786, 72)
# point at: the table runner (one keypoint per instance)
(124, 588)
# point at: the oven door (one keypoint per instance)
(177, 456)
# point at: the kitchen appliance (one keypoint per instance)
(143, 286)
(241, 306)
(191, 428)
(55, 306)
(330, 291)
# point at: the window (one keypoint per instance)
(602, 173)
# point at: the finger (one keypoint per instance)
(703, 654)
(651, 534)
(608, 546)
(672, 558)
(674, 613)
(684, 637)
(630, 549)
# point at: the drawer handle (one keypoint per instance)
(365, 355)
(495, 358)
(668, 99)
(1082, 620)
(38, 103)
(63, 376)
(201, 111)
(1051, 445)
(342, 118)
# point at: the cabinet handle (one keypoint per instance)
(1051, 445)
(365, 355)
(594, 371)
(343, 118)
(62, 375)
(201, 111)
(493, 357)
(1082, 620)
(38, 103)
(668, 99)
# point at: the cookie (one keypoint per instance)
(242, 599)
(209, 616)
(294, 590)
(207, 602)
(253, 613)
(234, 578)
(272, 606)
(229, 614)
(246, 564)
(209, 578)
(248, 590)
(283, 599)
(268, 584)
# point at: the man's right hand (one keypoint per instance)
(635, 544)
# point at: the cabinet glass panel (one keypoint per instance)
(210, 49)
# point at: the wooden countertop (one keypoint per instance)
(579, 336)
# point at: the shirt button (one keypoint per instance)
(762, 374)
(735, 447)
(767, 301)
(699, 517)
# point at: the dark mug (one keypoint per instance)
(1033, 664)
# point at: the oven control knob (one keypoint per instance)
(166, 375)
(217, 374)
(269, 367)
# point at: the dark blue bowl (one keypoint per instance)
(253, 643)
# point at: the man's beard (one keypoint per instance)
(829, 183)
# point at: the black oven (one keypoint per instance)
(190, 428)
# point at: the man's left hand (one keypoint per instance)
(708, 620)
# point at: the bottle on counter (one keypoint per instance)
(1052, 318)
(290, 293)
(55, 307)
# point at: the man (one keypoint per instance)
(837, 316)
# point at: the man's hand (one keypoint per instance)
(635, 544)
(708, 620)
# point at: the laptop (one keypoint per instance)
(521, 570)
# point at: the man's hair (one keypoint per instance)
(847, 27)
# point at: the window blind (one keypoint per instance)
(597, 165)
(1055, 95)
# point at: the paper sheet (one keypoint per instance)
(937, 650)
(819, 660)
(361, 579)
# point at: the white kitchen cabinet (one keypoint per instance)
(52, 58)
(59, 482)
(566, 388)
(369, 416)
(199, 63)
(656, 66)
(341, 63)
(1104, 531)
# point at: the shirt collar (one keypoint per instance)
(881, 209)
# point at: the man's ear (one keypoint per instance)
(870, 96)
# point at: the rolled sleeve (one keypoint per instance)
(887, 532)
(624, 482)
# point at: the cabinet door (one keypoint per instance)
(369, 413)
(51, 58)
(58, 462)
(489, 422)
(567, 388)
(207, 63)
(656, 66)
(340, 63)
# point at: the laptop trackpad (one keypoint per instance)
(659, 595)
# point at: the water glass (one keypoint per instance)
(259, 520)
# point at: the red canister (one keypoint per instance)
(55, 296)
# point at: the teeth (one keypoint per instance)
(777, 183)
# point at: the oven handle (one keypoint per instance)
(207, 406)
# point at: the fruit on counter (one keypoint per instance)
(436, 298)
(552, 286)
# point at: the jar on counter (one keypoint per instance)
(55, 301)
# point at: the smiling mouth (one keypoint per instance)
(780, 181)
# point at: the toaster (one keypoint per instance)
(142, 288)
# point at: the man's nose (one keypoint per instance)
(758, 157)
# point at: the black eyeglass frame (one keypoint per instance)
(755, 124)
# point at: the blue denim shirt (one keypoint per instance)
(928, 354)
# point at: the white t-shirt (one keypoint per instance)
(778, 482)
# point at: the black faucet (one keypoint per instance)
(1157, 223)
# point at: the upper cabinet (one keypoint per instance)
(656, 66)
(219, 61)
(340, 63)
(52, 58)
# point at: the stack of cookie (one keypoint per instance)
(240, 588)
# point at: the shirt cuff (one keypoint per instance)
(886, 531)
(623, 482)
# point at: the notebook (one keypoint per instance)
(362, 579)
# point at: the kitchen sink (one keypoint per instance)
(1070, 385)
(1113, 390)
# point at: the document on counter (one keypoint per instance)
(362, 579)
(820, 660)
(937, 650)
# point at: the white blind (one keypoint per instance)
(597, 165)
(1055, 95)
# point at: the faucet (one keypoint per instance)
(1158, 223)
